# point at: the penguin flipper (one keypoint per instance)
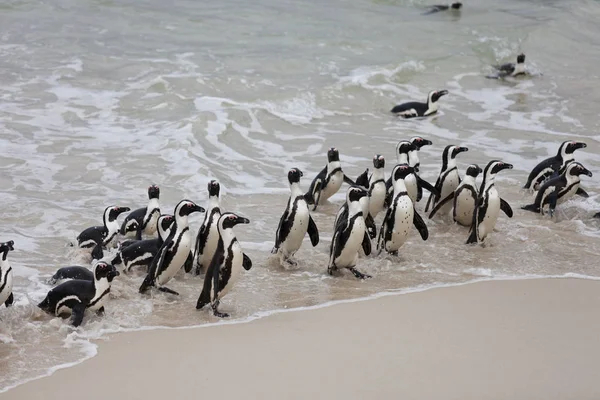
(420, 225)
(97, 252)
(9, 300)
(582, 193)
(440, 204)
(349, 181)
(475, 224)
(552, 200)
(427, 185)
(363, 179)
(189, 263)
(77, 314)
(366, 243)
(531, 207)
(313, 231)
(371, 228)
(283, 229)
(215, 264)
(247, 263)
(504, 206)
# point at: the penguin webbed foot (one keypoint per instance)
(216, 312)
(77, 314)
(359, 274)
(9, 300)
(100, 311)
(291, 262)
(393, 253)
(167, 290)
(198, 269)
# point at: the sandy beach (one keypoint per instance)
(528, 339)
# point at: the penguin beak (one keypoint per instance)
(196, 208)
(442, 92)
(121, 210)
(579, 145)
(11, 244)
(462, 149)
(506, 166)
(587, 172)
(479, 170)
(425, 142)
(242, 220)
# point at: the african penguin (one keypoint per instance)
(143, 220)
(377, 189)
(328, 181)
(208, 234)
(511, 69)
(75, 296)
(416, 109)
(553, 165)
(102, 235)
(559, 189)
(449, 178)
(6, 275)
(413, 155)
(342, 214)
(455, 6)
(226, 266)
(72, 272)
(489, 203)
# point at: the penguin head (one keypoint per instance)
(404, 147)
(473, 170)
(294, 175)
(419, 142)
(104, 270)
(378, 161)
(355, 193)
(187, 207)
(214, 188)
(521, 58)
(153, 192)
(435, 95)
(228, 220)
(333, 155)
(132, 226)
(569, 147)
(112, 212)
(456, 5)
(575, 169)
(164, 224)
(451, 151)
(6, 247)
(496, 166)
(401, 171)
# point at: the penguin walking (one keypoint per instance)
(295, 222)
(226, 265)
(377, 189)
(143, 220)
(328, 181)
(465, 198)
(6, 275)
(174, 252)
(510, 69)
(349, 235)
(449, 178)
(559, 189)
(400, 216)
(553, 165)
(489, 203)
(342, 215)
(208, 234)
(102, 235)
(413, 155)
(416, 109)
(75, 296)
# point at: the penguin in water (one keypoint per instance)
(102, 235)
(449, 178)
(416, 109)
(207, 239)
(597, 215)
(72, 272)
(489, 203)
(553, 165)
(175, 250)
(510, 69)
(376, 188)
(413, 155)
(6, 275)
(143, 220)
(400, 216)
(349, 235)
(456, 6)
(226, 265)
(328, 181)
(75, 296)
(465, 198)
(295, 222)
(342, 215)
(559, 189)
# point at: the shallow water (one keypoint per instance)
(98, 99)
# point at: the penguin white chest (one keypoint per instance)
(150, 228)
(298, 229)
(377, 199)
(464, 206)
(181, 254)
(6, 282)
(411, 187)
(403, 221)
(349, 253)
(332, 187)
(212, 239)
(568, 194)
(237, 260)
(491, 214)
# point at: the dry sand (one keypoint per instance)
(532, 339)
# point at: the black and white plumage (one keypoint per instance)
(6, 275)
(377, 190)
(295, 222)
(553, 165)
(511, 69)
(559, 189)
(328, 181)
(416, 109)
(455, 6)
(350, 235)
(413, 155)
(75, 296)
(72, 272)
(489, 203)
(207, 239)
(226, 265)
(465, 198)
(448, 179)
(597, 215)
(400, 216)
(102, 235)
(342, 214)
(175, 250)
(143, 220)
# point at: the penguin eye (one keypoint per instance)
(231, 217)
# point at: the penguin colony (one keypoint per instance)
(169, 245)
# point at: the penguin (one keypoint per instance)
(143, 220)
(72, 272)
(349, 235)
(456, 6)
(174, 252)
(511, 69)
(465, 198)
(295, 222)
(342, 215)
(102, 235)
(597, 215)
(377, 189)
(226, 266)
(489, 203)
(553, 165)
(559, 189)
(75, 296)
(449, 178)
(416, 109)
(400, 216)
(208, 234)
(328, 181)
(413, 155)
(6, 275)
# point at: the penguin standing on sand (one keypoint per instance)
(143, 220)
(448, 180)
(559, 189)
(553, 165)
(226, 265)
(414, 109)
(6, 275)
(489, 203)
(207, 238)
(295, 222)
(102, 235)
(175, 250)
(328, 181)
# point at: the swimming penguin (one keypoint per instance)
(349, 235)
(559, 189)
(597, 215)
(6, 275)
(226, 265)
(75, 296)
(465, 198)
(72, 272)
(511, 69)
(553, 165)
(413, 155)
(489, 203)
(400, 216)
(415, 109)
(448, 180)
(456, 6)
(102, 235)
(175, 250)
(295, 222)
(208, 234)
(328, 181)
(143, 220)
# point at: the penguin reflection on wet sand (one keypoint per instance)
(328, 181)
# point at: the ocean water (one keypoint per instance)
(99, 99)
